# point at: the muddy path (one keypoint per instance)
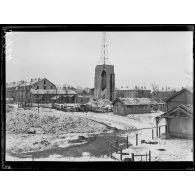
(96, 145)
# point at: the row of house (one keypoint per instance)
(144, 93)
(42, 91)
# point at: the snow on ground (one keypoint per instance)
(129, 122)
(57, 157)
(30, 131)
(165, 150)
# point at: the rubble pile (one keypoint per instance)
(100, 105)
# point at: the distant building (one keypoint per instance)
(83, 99)
(125, 106)
(64, 96)
(163, 95)
(132, 93)
(179, 121)
(182, 97)
(20, 91)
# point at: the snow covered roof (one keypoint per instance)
(186, 109)
(136, 101)
(53, 91)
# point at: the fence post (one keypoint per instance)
(136, 139)
(121, 154)
(159, 133)
(132, 156)
(127, 142)
(117, 145)
(149, 155)
(152, 133)
(110, 150)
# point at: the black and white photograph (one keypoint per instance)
(101, 95)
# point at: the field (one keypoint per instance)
(76, 136)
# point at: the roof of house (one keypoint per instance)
(53, 91)
(26, 83)
(186, 109)
(179, 92)
(136, 101)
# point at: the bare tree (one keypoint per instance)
(156, 91)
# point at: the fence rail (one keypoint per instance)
(147, 156)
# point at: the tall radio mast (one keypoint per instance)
(104, 50)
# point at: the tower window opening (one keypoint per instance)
(103, 80)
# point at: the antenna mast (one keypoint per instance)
(104, 50)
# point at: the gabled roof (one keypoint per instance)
(186, 109)
(179, 92)
(136, 101)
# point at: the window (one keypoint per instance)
(51, 87)
(44, 82)
(37, 87)
(44, 87)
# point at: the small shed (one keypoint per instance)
(184, 97)
(83, 99)
(125, 106)
(178, 121)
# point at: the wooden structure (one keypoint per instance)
(179, 121)
(114, 147)
(82, 99)
(125, 106)
(182, 97)
(147, 156)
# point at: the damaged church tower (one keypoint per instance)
(104, 75)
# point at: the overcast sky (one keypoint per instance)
(139, 58)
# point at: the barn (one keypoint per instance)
(179, 121)
(125, 106)
(184, 97)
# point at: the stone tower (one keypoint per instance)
(104, 75)
(104, 82)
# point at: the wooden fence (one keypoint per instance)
(114, 146)
(147, 156)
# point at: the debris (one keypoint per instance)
(148, 142)
(100, 105)
(161, 149)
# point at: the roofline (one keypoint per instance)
(174, 108)
(174, 95)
